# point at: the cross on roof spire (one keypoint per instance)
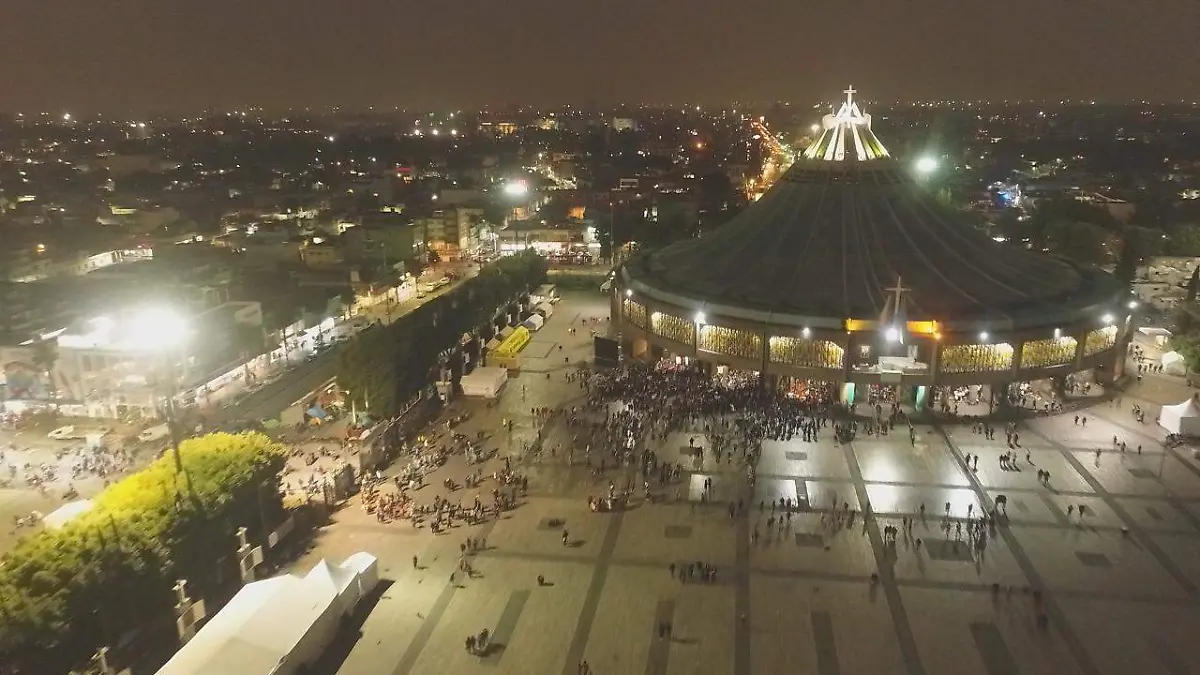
(850, 92)
(898, 292)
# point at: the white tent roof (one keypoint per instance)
(491, 376)
(362, 561)
(1188, 408)
(64, 514)
(1171, 358)
(262, 624)
(1181, 418)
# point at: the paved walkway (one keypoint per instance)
(1116, 587)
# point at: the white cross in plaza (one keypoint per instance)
(850, 95)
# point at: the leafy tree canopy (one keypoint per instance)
(384, 366)
(63, 593)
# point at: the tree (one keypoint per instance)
(1188, 346)
(385, 366)
(1127, 261)
(111, 570)
(1084, 243)
(1183, 240)
(45, 356)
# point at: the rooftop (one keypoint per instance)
(845, 223)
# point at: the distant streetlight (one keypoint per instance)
(926, 165)
(517, 188)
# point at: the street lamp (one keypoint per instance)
(162, 331)
(926, 165)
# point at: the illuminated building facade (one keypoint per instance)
(849, 272)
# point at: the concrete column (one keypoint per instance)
(935, 363)
(765, 356)
(1080, 345)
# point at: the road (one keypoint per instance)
(300, 380)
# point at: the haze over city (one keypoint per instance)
(675, 337)
(139, 57)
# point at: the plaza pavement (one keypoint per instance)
(1119, 585)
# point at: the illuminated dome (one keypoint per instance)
(840, 227)
(848, 271)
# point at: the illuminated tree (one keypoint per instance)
(65, 592)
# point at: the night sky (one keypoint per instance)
(142, 56)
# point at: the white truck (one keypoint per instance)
(154, 433)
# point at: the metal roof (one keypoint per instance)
(831, 236)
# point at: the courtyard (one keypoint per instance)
(818, 592)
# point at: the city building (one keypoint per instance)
(387, 237)
(120, 365)
(535, 234)
(849, 275)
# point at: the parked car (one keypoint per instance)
(64, 434)
(154, 433)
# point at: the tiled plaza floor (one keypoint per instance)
(1118, 585)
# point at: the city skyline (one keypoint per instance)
(170, 57)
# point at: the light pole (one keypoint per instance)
(612, 244)
(166, 332)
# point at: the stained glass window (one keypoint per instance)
(1049, 352)
(672, 327)
(1100, 340)
(975, 358)
(731, 342)
(806, 353)
(635, 312)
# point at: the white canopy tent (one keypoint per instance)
(485, 382)
(534, 322)
(1158, 336)
(1181, 418)
(545, 309)
(64, 514)
(1173, 364)
(277, 626)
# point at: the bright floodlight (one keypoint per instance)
(983, 337)
(158, 329)
(1133, 304)
(516, 188)
(629, 292)
(893, 334)
(926, 165)
(1107, 318)
(700, 317)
